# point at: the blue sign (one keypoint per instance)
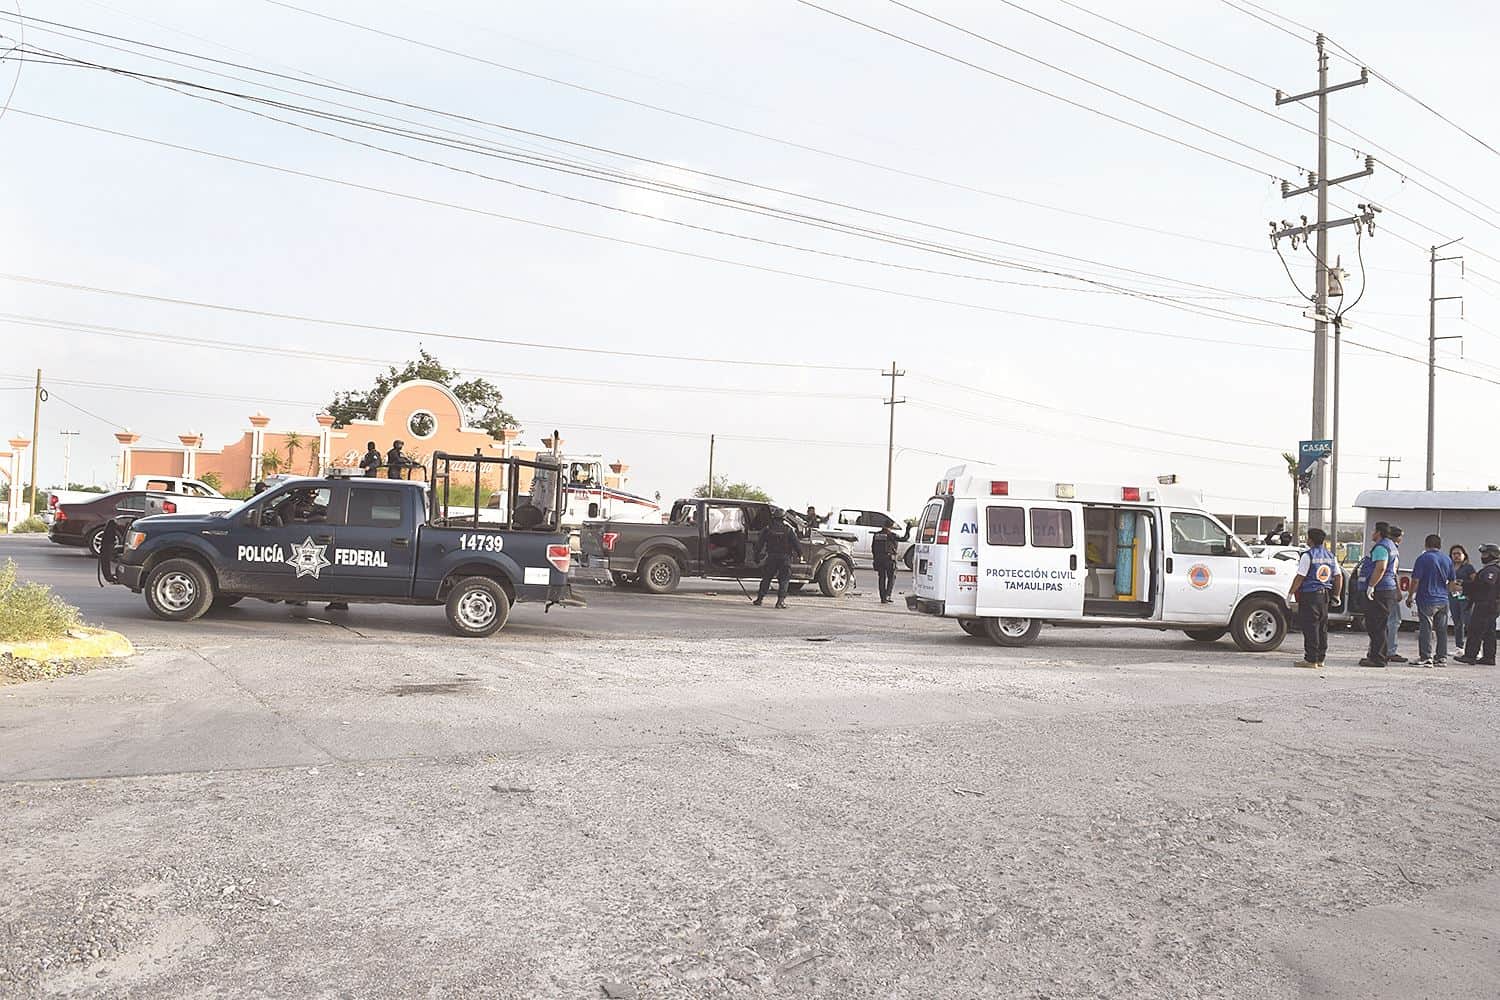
(1310, 453)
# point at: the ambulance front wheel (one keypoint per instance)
(1012, 631)
(1206, 634)
(1259, 625)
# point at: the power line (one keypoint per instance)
(1047, 93)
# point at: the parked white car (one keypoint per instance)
(858, 525)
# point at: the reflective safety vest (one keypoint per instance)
(1388, 581)
(1322, 570)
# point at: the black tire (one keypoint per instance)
(623, 579)
(95, 541)
(660, 574)
(226, 601)
(1011, 631)
(179, 590)
(1259, 625)
(835, 577)
(477, 607)
(973, 626)
(1206, 634)
(910, 559)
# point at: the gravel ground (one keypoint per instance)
(888, 815)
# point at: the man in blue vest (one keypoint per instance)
(1382, 594)
(1318, 577)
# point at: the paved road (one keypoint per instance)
(686, 797)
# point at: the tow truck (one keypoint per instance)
(368, 541)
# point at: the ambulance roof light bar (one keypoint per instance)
(1130, 493)
(999, 488)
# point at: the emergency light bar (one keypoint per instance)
(1130, 493)
(999, 489)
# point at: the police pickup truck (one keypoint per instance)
(710, 538)
(360, 540)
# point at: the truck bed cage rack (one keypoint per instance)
(539, 509)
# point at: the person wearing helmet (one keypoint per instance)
(371, 462)
(1483, 591)
(779, 544)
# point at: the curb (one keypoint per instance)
(82, 643)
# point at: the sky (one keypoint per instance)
(1168, 338)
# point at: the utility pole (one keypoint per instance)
(36, 444)
(890, 448)
(1388, 475)
(68, 437)
(1433, 298)
(1319, 183)
(710, 491)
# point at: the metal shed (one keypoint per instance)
(1461, 517)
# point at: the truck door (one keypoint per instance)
(1203, 566)
(1041, 577)
(287, 548)
(376, 543)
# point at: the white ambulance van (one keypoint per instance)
(1004, 556)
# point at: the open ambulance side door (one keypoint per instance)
(1030, 559)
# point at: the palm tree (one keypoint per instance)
(293, 442)
(270, 464)
(314, 453)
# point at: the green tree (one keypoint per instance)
(481, 398)
(725, 490)
(213, 481)
(270, 464)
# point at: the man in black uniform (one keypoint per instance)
(371, 462)
(1483, 592)
(395, 462)
(883, 548)
(779, 543)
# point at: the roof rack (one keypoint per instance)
(539, 509)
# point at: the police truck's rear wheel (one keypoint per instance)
(973, 626)
(1259, 625)
(1205, 634)
(1011, 631)
(179, 590)
(477, 607)
(834, 578)
(660, 574)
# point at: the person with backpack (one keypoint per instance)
(1318, 577)
(1381, 593)
(1431, 576)
(1483, 593)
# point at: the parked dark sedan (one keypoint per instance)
(82, 524)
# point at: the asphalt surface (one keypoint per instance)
(691, 797)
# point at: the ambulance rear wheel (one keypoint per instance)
(1259, 625)
(477, 607)
(910, 559)
(1206, 634)
(1012, 631)
(973, 626)
(179, 590)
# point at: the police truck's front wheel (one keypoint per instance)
(1259, 625)
(477, 607)
(1012, 631)
(179, 590)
